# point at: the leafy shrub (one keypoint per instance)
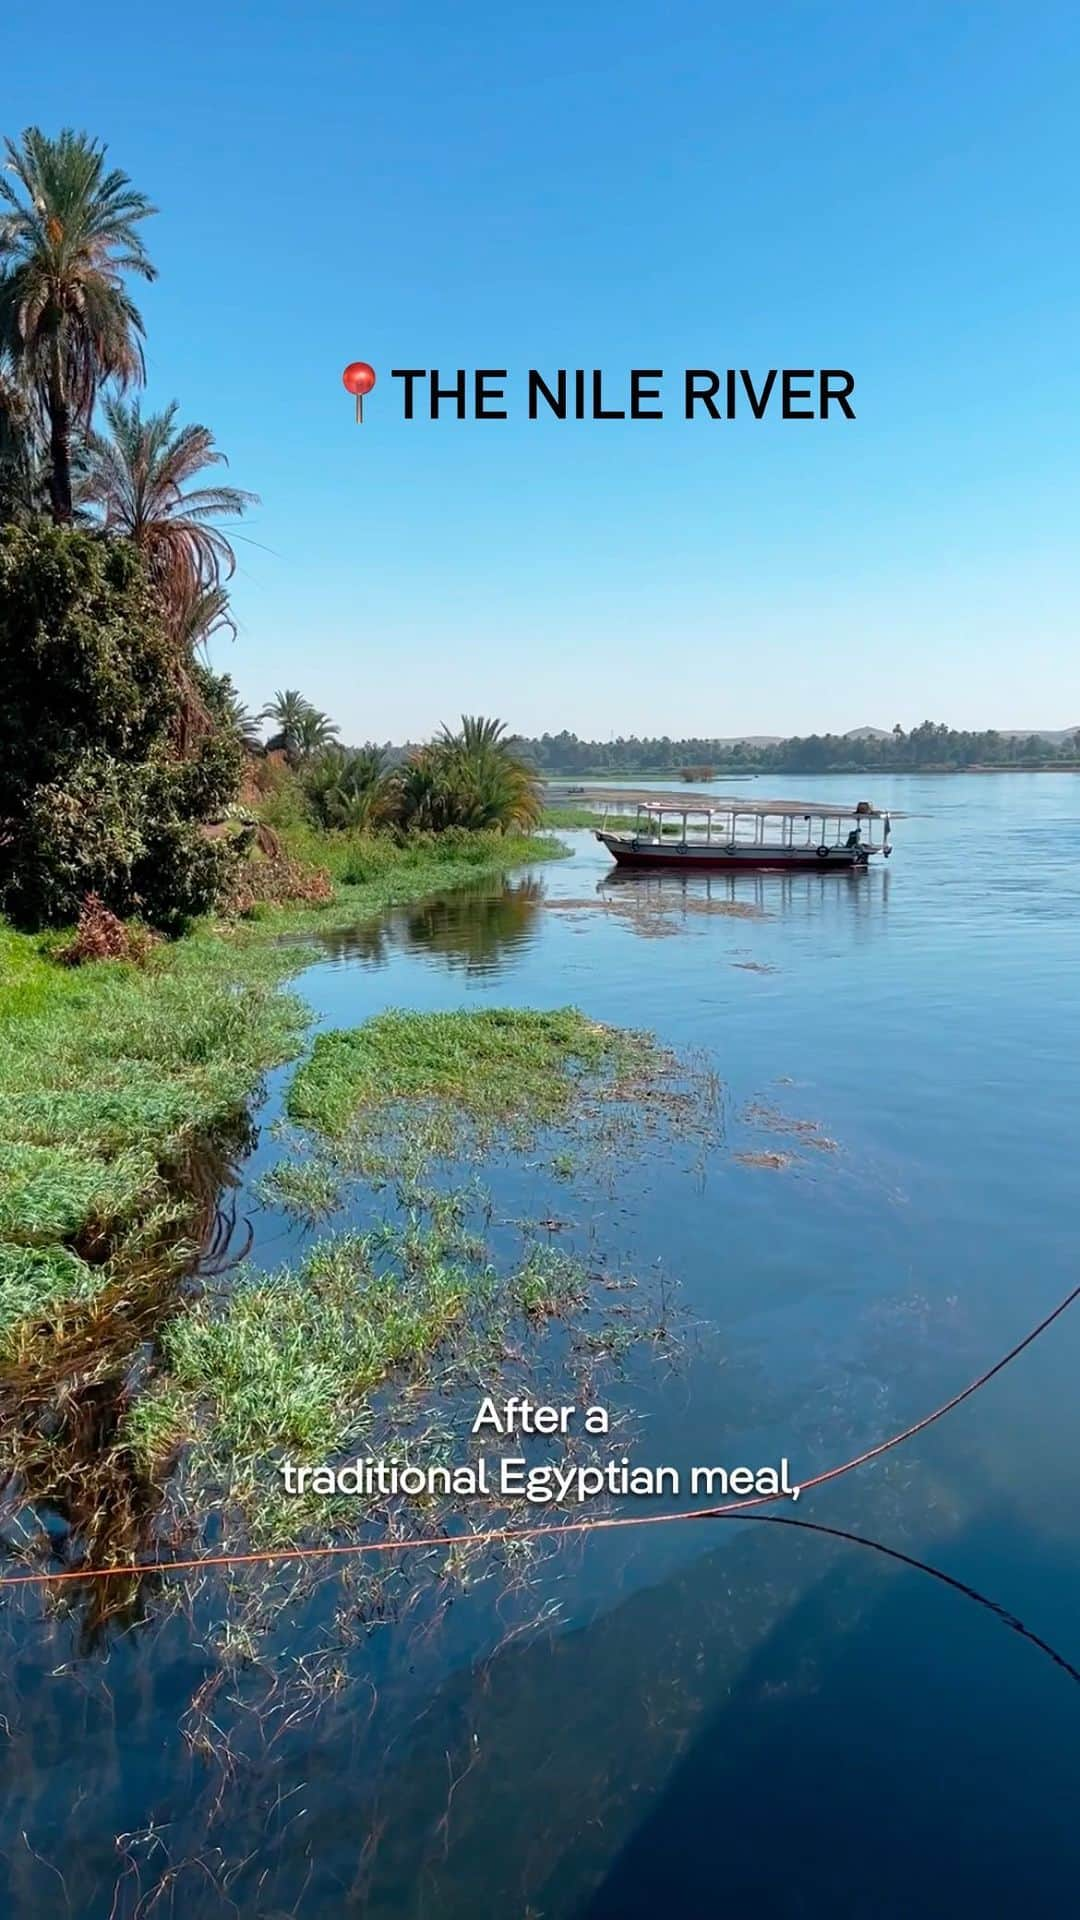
(476, 778)
(96, 796)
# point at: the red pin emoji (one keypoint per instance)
(358, 378)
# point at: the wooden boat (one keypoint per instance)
(737, 834)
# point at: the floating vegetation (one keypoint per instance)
(656, 912)
(771, 1120)
(376, 1333)
(549, 1283)
(490, 1066)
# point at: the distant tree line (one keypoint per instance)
(927, 748)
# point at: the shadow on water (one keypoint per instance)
(651, 1759)
(922, 1773)
(691, 1792)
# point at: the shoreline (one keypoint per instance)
(110, 1071)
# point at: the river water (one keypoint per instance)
(697, 1718)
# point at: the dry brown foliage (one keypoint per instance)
(278, 881)
(101, 935)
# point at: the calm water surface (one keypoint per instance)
(736, 1719)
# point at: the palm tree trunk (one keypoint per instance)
(59, 443)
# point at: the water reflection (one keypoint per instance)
(858, 895)
(474, 930)
(75, 1492)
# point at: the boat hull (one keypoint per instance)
(700, 857)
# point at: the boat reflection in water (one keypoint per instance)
(755, 893)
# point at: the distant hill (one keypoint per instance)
(1056, 736)
(748, 739)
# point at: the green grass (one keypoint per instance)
(32, 1279)
(310, 1189)
(489, 1065)
(109, 1071)
(568, 817)
(296, 1364)
(291, 1360)
(550, 1283)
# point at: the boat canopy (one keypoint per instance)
(784, 809)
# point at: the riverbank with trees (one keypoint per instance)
(149, 840)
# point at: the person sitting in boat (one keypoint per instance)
(854, 838)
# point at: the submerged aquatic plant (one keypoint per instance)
(308, 1188)
(369, 1343)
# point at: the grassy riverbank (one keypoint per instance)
(110, 1072)
(568, 817)
(372, 872)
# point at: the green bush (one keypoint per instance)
(96, 795)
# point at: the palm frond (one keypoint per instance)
(140, 470)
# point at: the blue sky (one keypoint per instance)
(889, 189)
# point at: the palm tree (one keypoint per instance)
(488, 782)
(67, 237)
(286, 710)
(139, 479)
(351, 789)
(422, 794)
(315, 732)
(473, 778)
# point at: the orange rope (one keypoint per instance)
(493, 1535)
